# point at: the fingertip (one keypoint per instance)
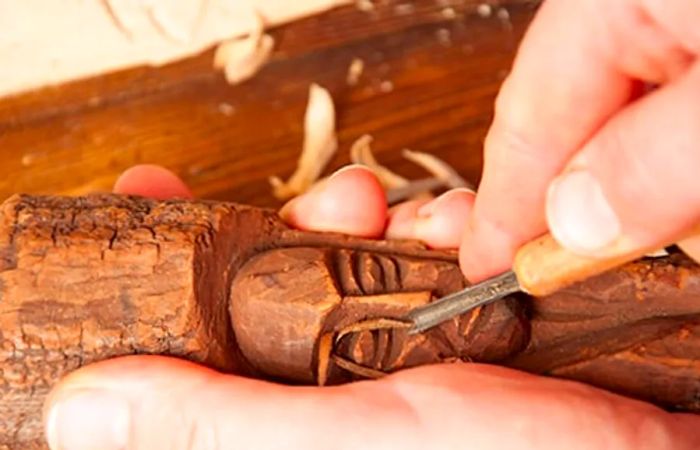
(97, 406)
(438, 223)
(351, 201)
(691, 247)
(402, 218)
(152, 181)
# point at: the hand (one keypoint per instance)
(576, 102)
(154, 403)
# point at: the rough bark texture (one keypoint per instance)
(231, 287)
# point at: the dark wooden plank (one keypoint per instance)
(432, 69)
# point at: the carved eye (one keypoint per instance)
(361, 273)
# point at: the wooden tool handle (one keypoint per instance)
(543, 266)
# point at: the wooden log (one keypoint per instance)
(231, 287)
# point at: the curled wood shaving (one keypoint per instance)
(372, 325)
(355, 69)
(357, 369)
(439, 168)
(399, 188)
(413, 190)
(484, 10)
(242, 58)
(361, 153)
(365, 5)
(320, 143)
(660, 253)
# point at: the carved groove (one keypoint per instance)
(392, 277)
(344, 267)
(355, 261)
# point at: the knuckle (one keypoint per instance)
(509, 142)
(516, 133)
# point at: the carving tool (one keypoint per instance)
(541, 267)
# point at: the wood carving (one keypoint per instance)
(231, 287)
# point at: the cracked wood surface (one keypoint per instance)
(231, 287)
(431, 72)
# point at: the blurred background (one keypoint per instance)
(428, 74)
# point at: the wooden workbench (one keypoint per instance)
(431, 71)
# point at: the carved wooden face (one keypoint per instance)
(293, 309)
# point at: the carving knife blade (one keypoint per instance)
(456, 304)
(541, 267)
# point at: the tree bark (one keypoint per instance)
(232, 287)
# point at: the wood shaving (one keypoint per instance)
(413, 190)
(503, 14)
(439, 168)
(657, 254)
(404, 9)
(365, 5)
(399, 188)
(372, 325)
(226, 109)
(361, 153)
(357, 369)
(448, 13)
(444, 36)
(484, 10)
(320, 144)
(357, 66)
(242, 58)
(386, 86)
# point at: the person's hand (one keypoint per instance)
(575, 102)
(158, 403)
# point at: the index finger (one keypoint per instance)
(579, 63)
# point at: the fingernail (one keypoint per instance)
(429, 208)
(350, 167)
(87, 420)
(579, 215)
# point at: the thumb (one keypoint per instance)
(635, 184)
(152, 403)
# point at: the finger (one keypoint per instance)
(589, 56)
(151, 181)
(635, 184)
(156, 403)
(439, 223)
(351, 201)
(691, 247)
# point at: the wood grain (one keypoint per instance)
(432, 69)
(231, 287)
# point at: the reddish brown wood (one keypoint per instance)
(225, 141)
(230, 286)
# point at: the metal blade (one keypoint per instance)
(463, 301)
